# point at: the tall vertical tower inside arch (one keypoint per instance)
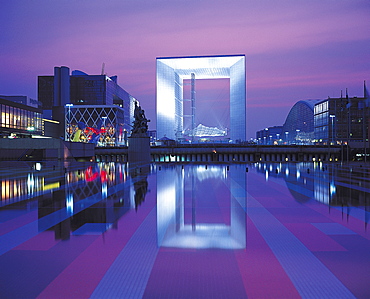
(172, 71)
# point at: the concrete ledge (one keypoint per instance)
(44, 149)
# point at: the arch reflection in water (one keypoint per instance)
(180, 189)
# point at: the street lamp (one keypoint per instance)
(286, 136)
(69, 121)
(105, 130)
(332, 127)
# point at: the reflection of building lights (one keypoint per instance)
(333, 189)
(103, 176)
(51, 186)
(104, 190)
(69, 204)
(30, 183)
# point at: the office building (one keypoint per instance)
(90, 100)
(298, 127)
(299, 124)
(269, 136)
(18, 120)
(25, 100)
(343, 120)
(171, 73)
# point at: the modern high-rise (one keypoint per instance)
(171, 73)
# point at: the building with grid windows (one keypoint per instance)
(299, 124)
(87, 104)
(171, 73)
(343, 120)
(18, 120)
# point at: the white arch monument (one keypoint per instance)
(172, 71)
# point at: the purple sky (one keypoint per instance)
(294, 49)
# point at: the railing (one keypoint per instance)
(234, 153)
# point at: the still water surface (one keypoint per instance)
(184, 231)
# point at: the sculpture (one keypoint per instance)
(140, 127)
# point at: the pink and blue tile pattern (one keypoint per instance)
(184, 231)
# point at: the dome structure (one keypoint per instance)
(299, 124)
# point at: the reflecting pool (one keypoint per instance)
(263, 230)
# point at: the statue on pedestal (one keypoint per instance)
(140, 127)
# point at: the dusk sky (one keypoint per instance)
(294, 49)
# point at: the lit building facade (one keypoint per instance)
(18, 120)
(299, 124)
(99, 124)
(343, 120)
(89, 99)
(269, 136)
(171, 73)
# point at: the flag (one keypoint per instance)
(366, 95)
(348, 101)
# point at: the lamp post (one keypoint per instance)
(286, 137)
(105, 130)
(69, 122)
(332, 128)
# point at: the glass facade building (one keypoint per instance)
(88, 90)
(18, 120)
(106, 99)
(171, 73)
(299, 124)
(342, 120)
